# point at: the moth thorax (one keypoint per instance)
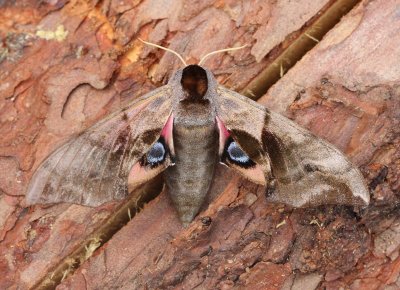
(194, 82)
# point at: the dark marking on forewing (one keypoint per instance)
(267, 117)
(311, 167)
(109, 172)
(124, 117)
(335, 189)
(136, 145)
(148, 137)
(249, 144)
(121, 141)
(284, 163)
(275, 150)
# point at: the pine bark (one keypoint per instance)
(66, 64)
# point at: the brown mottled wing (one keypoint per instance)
(304, 169)
(93, 168)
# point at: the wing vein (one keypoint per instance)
(51, 173)
(94, 159)
(109, 155)
(60, 183)
(81, 169)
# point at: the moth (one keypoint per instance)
(184, 129)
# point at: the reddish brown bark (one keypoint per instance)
(345, 90)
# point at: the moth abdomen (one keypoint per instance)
(195, 158)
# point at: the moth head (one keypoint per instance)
(194, 82)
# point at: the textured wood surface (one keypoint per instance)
(345, 90)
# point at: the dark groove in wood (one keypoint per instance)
(311, 34)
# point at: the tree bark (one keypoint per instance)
(66, 64)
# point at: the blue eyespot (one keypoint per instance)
(156, 153)
(237, 154)
(233, 154)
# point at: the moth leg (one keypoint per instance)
(271, 186)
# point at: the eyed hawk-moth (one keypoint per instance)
(184, 129)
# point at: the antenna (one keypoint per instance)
(202, 59)
(164, 48)
(219, 51)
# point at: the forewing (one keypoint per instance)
(93, 168)
(304, 169)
